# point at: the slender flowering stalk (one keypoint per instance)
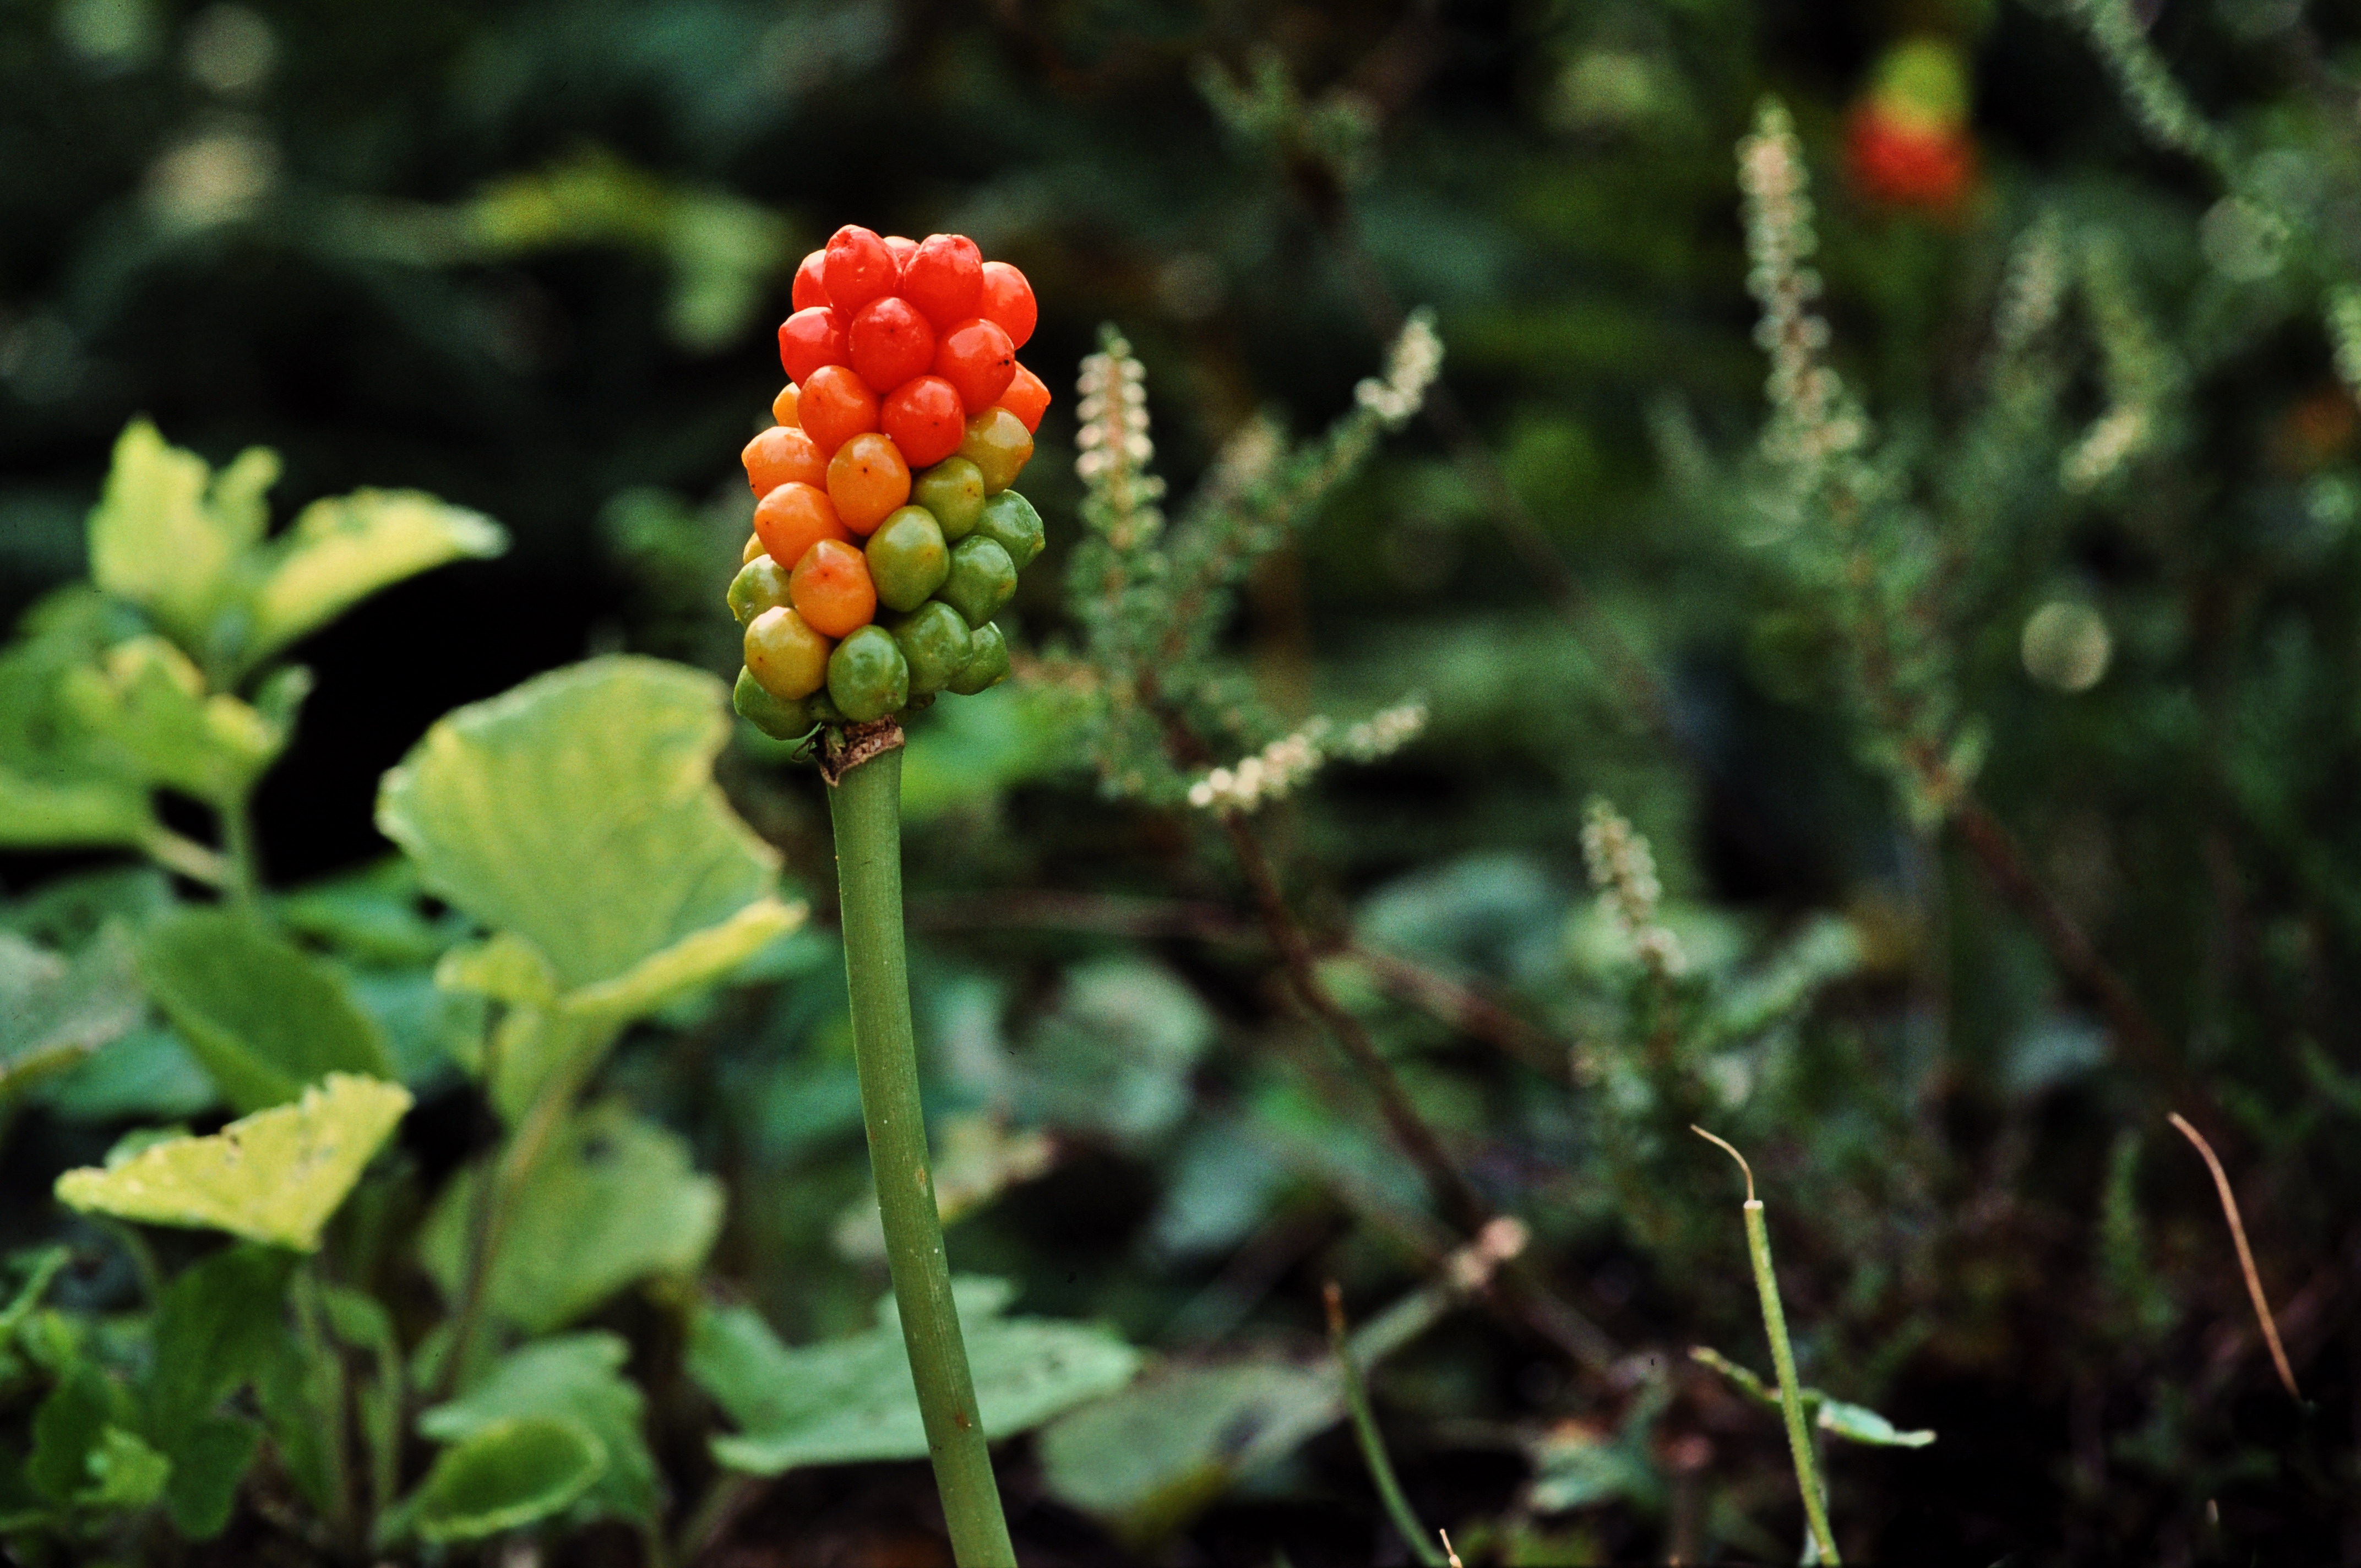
(1782, 1361)
(1280, 767)
(1623, 868)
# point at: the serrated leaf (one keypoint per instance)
(504, 1476)
(263, 1018)
(146, 704)
(852, 1399)
(579, 812)
(154, 538)
(613, 1201)
(1857, 1423)
(577, 1377)
(339, 552)
(1157, 1452)
(273, 1176)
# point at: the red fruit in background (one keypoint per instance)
(945, 279)
(1027, 397)
(1908, 166)
(809, 339)
(810, 289)
(977, 359)
(859, 267)
(926, 419)
(890, 342)
(901, 244)
(836, 405)
(1008, 300)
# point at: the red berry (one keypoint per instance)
(809, 339)
(901, 244)
(1008, 300)
(810, 288)
(1907, 164)
(836, 406)
(945, 279)
(891, 341)
(1027, 397)
(926, 419)
(859, 267)
(976, 359)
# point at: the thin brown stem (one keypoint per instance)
(2246, 1254)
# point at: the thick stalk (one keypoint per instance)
(865, 807)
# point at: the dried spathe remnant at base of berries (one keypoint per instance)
(886, 534)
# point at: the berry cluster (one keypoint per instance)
(883, 487)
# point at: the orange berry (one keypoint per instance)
(836, 405)
(783, 407)
(925, 419)
(976, 358)
(890, 342)
(810, 288)
(1027, 397)
(831, 589)
(755, 546)
(867, 478)
(858, 267)
(945, 279)
(779, 455)
(793, 517)
(1008, 300)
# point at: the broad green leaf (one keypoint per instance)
(150, 1075)
(1118, 1051)
(375, 915)
(612, 1200)
(96, 812)
(504, 1476)
(851, 1399)
(696, 959)
(978, 1157)
(54, 1012)
(1157, 1453)
(273, 1176)
(264, 1018)
(146, 704)
(155, 537)
(217, 1326)
(504, 966)
(579, 812)
(577, 1377)
(339, 552)
(1857, 1423)
(207, 1463)
(55, 787)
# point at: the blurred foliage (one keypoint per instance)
(1420, 802)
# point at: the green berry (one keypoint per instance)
(867, 676)
(981, 579)
(823, 707)
(987, 666)
(1010, 521)
(953, 490)
(761, 584)
(936, 643)
(907, 558)
(779, 720)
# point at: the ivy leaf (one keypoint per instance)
(577, 1377)
(166, 534)
(263, 1018)
(273, 1176)
(54, 787)
(614, 1201)
(579, 811)
(851, 1399)
(339, 552)
(503, 1477)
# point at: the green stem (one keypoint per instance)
(243, 857)
(866, 808)
(327, 1364)
(1791, 1398)
(1373, 1445)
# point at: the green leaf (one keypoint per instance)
(339, 552)
(579, 812)
(577, 1377)
(1117, 1052)
(273, 1176)
(125, 1473)
(54, 1012)
(146, 704)
(1157, 1453)
(208, 1462)
(1857, 1423)
(502, 1477)
(93, 811)
(67, 1429)
(158, 539)
(851, 1399)
(613, 1201)
(264, 1019)
(217, 1326)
